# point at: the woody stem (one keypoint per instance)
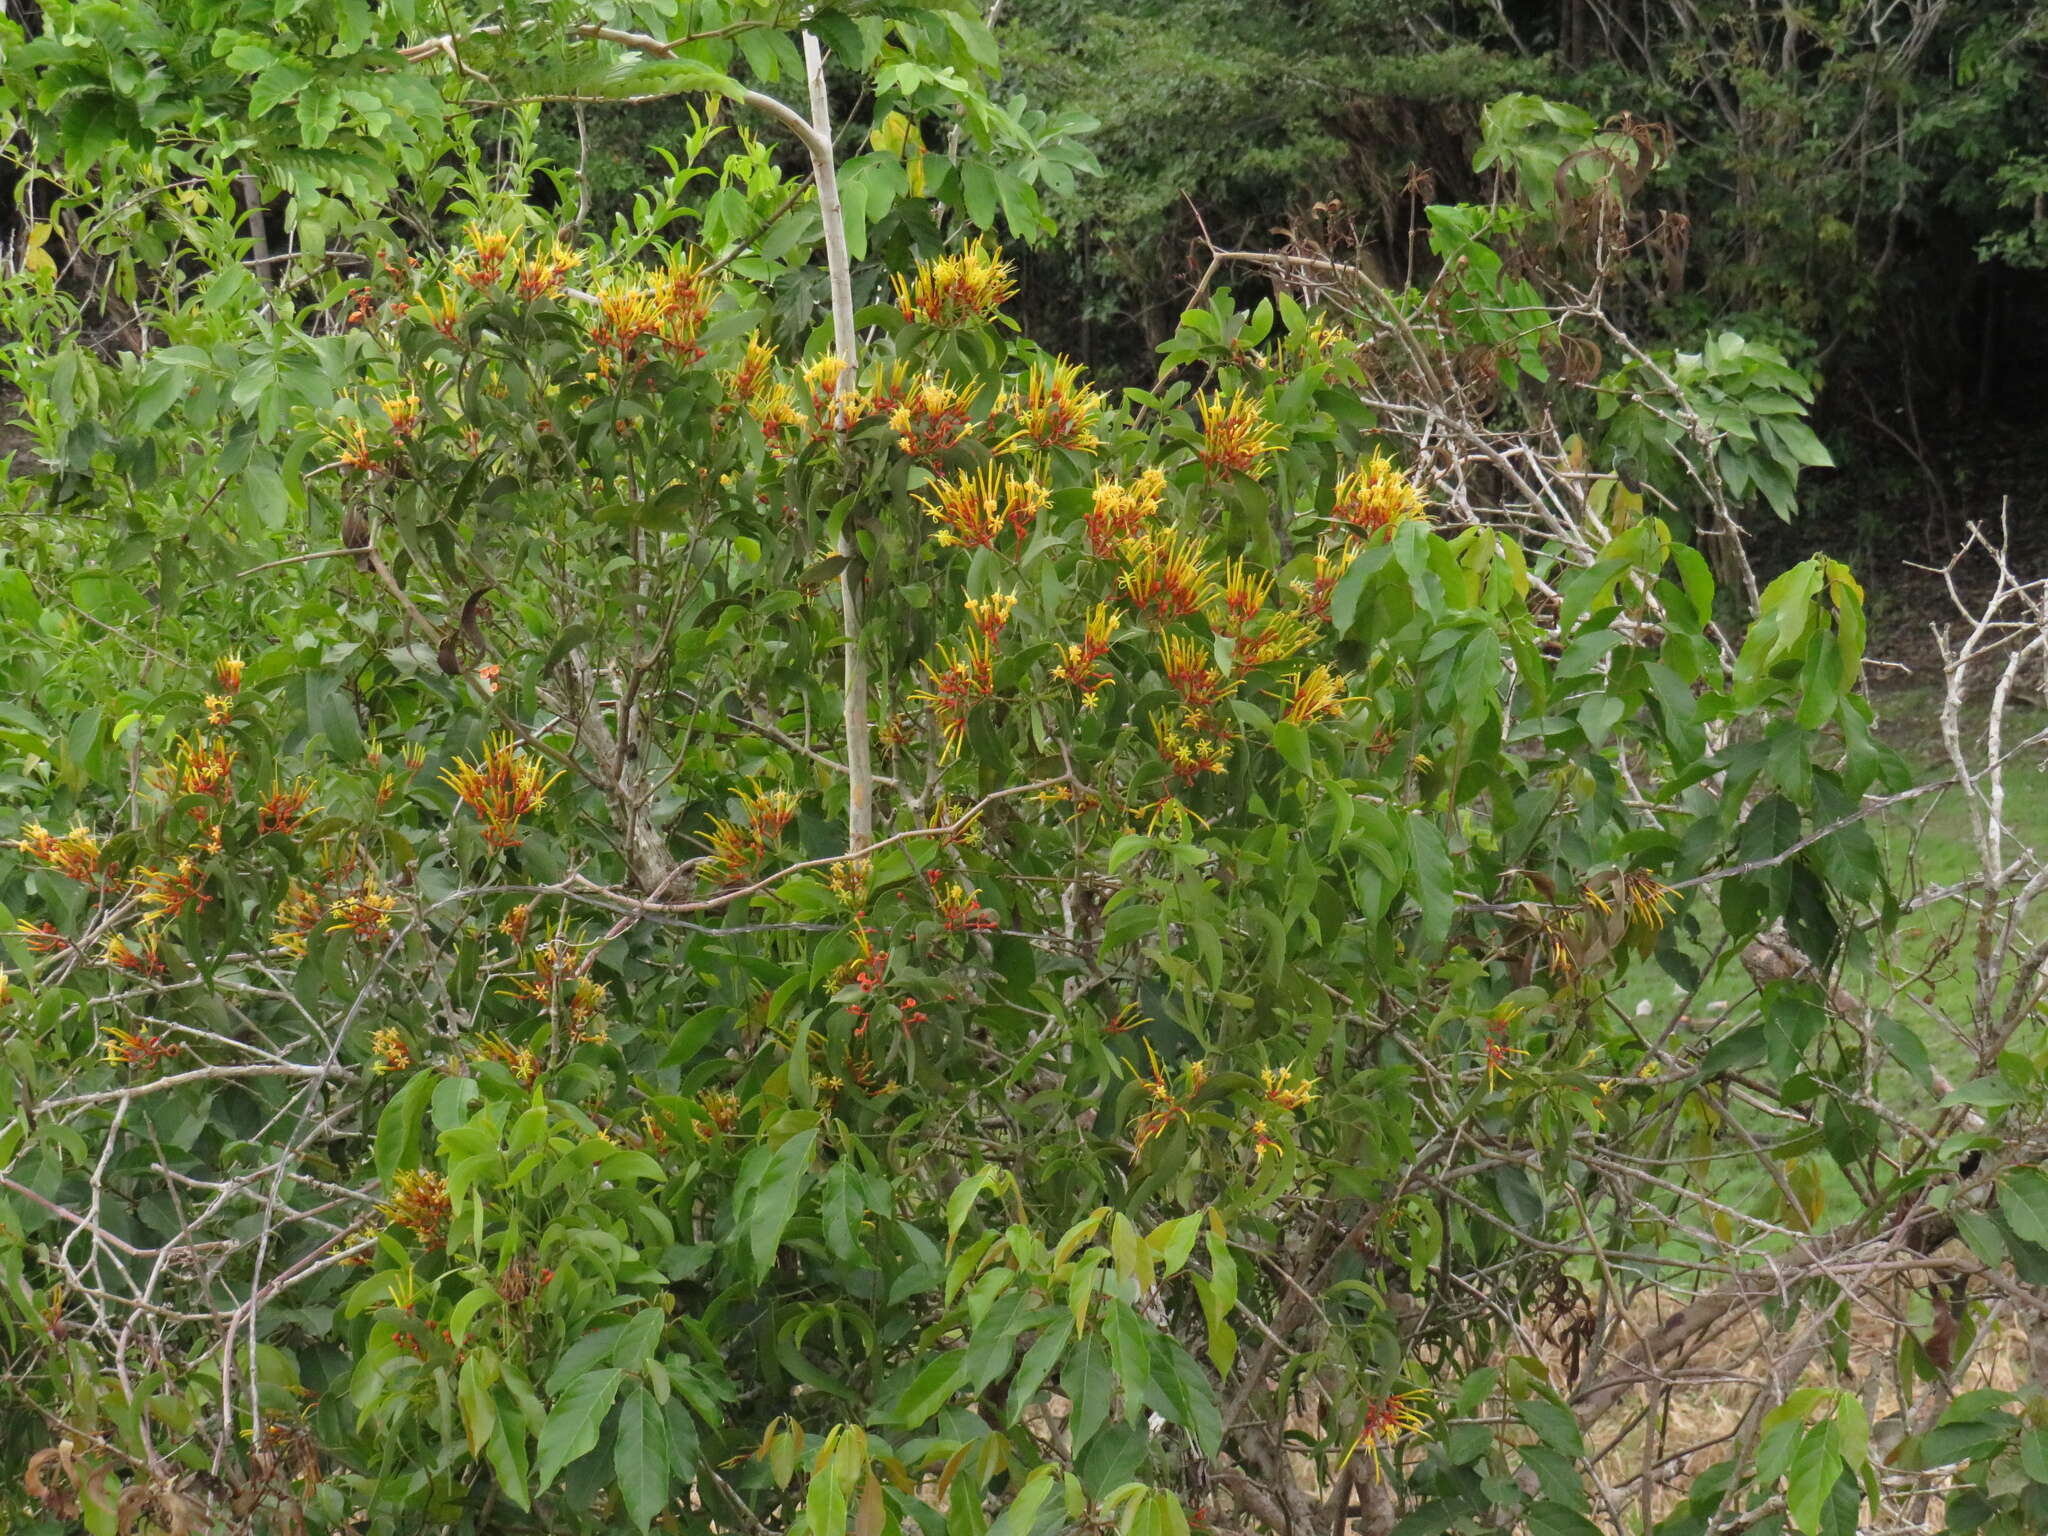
(860, 775)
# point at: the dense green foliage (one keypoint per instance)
(1859, 189)
(1859, 186)
(1826, 147)
(631, 902)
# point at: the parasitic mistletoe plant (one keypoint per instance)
(639, 895)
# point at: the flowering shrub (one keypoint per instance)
(490, 1079)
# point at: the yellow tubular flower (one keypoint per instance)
(932, 417)
(1053, 409)
(951, 292)
(1375, 499)
(501, 787)
(1121, 512)
(1315, 694)
(1165, 576)
(1236, 436)
(75, 855)
(955, 687)
(974, 508)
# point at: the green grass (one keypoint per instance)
(1923, 973)
(1926, 843)
(1931, 843)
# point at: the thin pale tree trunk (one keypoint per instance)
(860, 778)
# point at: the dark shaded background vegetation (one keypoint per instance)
(1860, 183)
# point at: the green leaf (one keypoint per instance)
(1174, 1240)
(2023, 1202)
(1798, 440)
(978, 193)
(583, 1355)
(1852, 1430)
(1555, 1425)
(637, 1340)
(1086, 1379)
(842, 1205)
(279, 83)
(1020, 206)
(1984, 1093)
(1980, 1233)
(1815, 1467)
(928, 1391)
(781, 1186)
(154, 398)
(398, 1127)
(682, 1437)
(961, 1201)
(640, 1459)
(825, 1499)
(842, 36)
(1519, 1196)
(573, 1423)
(1023, 1511)
(1038, 1362)
(451, 1100)
(1344, 601)
(1291, 742)
(1550, 1519)
(1217, 1292)
(506, 1452)
(2034, 1454)
(1179, 1391)
(466, 1310)
(1130, 1349)
(1598, 716)
(1907, 1048)
(1432, 876)
(479, 1407)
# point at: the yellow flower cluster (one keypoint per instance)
(973, 509)
(1375, 499)
(963, 288)
(931, 417)
(75, 855)
(502, 787)
(1236, 436)
(739, 847)
(1052, 409)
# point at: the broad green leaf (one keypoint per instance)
(1039, 1361)
(1549, 1519)
(929, 1390)
(479, 1407)
(640, 1459)
(2023, 1202)
(572, 1426)
(1816, 1466)
(842, 1205)
(774, 1202)
(506, 1452)
(1018, 1519)
(1085, 1378)
(398, 1127)
(1181, 1392)
(961, 1201)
